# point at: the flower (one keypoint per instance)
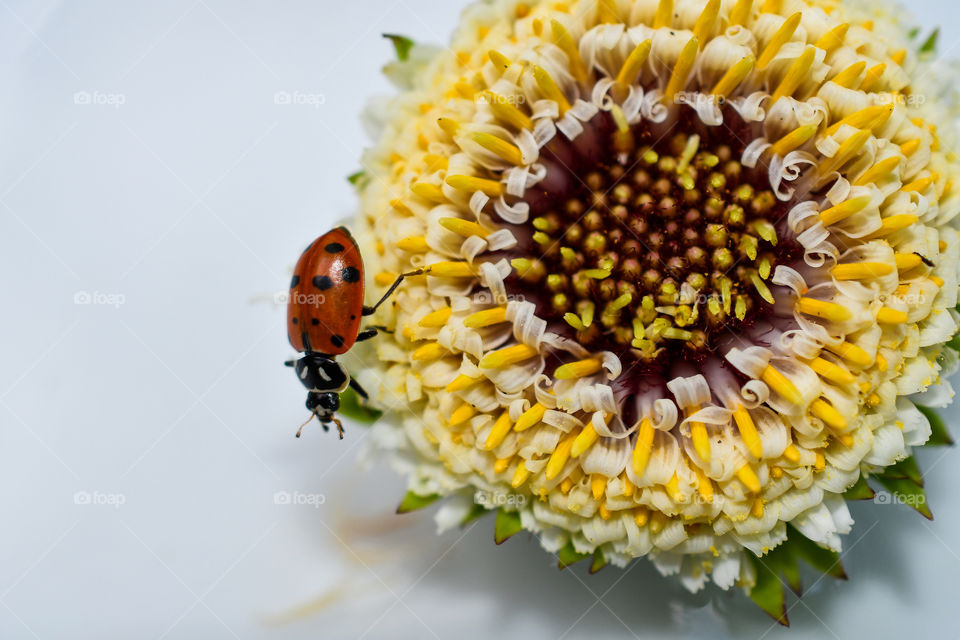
(688, 269)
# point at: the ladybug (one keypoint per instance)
(324, 312)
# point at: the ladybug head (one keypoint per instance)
(323, 404)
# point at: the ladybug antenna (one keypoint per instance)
(312, 416)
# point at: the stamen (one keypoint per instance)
(664, 15)
(579, 369)
(704, 485)
(507, 356)
(733, 77)
(910, 147)
(562, 38)
(530, 417)
(498, 59)
(449, 126)
(413, 244)
(844, 210)
(796, 74)
(848, 149)
(499, 147)
(519, 476)
(461, 382)
(450, 269)
(503, 110)
(792, 454)
(794, 140)
(907, 261)
(873, 75)
(465, 228)
(851, 353)
(681, 70)
(463, 413)
(560, 456)
(886, 315)
(828, 414)
(834, 38)
(749, 478)
(920, 185)
(779, 383)
(701, 440)
(486, 318)
(832, 372)
(780, 38)
(824, 309)
(436, 319)
(501, 465)
(588, 436)
(748, 431)
(892, 224)
(634, 63)
(598, 485)
(428, 191)
(862, 270)
(471, 183)
(741, 12)
(549, 89)
(499, 431)
(641, 452)
(707, 22)
(430, 351)
(849, 76)
(879, 171)
(867, 118)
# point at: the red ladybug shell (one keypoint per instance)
(326, 295)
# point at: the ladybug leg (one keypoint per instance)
(369, 311)
(366, 334)
(360, 390)
(290, 363)
(339, 426)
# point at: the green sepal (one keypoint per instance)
(906, 469)
(357, 178)
(598, 562)
(401, 44)
(412, 502)
(939, 436)
(784, 560)
(930, 44)
(908, 492)
(913, 33)
(954, 343)
(823, 560)
(475, 512)
(860, 490)
(569, 555)
(352, 407)
(768, 593)
(507, 525)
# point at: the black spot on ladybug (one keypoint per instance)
(334, 247)
(350, 274)
(322, 282)
(294, 281)
(315, 321)
(336, 340)
(294, 320)
(353, 316)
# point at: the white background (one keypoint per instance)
(180, 212)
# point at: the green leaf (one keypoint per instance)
(784, 560)
(930, 44)
(507, 525)
(352, 407)
(357, 177)
(475, 512)
(767, 593)
(401, 44)
(568, 556)
(598, 562)
(412, 502)
(939, 436)
(906, 491)
(860, 490)
(906, 469)
(954, 343)
(823, 560)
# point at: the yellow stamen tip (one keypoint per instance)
(579, 369)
